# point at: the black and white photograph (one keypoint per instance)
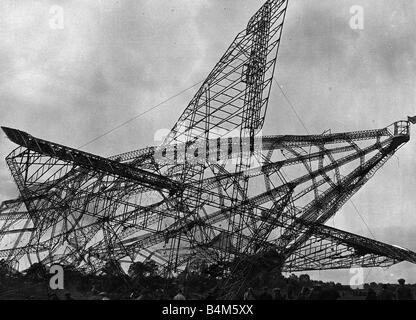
(207, 150)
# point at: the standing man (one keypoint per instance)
(248, 295)
(403, 292)
(179, 295)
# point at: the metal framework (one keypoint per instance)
(214, 192)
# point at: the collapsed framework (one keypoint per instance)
(252, 198)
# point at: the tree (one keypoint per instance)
(36, 272)
(141, 270)
(305, 278)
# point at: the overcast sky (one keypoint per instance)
(113, 60)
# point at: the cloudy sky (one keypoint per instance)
(111, 60)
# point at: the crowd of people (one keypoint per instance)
(333, 292)
(317, 291)
(34, 284)
(403, 292)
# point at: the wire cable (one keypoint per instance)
(139, 115)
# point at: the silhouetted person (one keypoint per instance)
(179, 296)
(316, 293)
(371, 295)
(403, 292)
(386, 293)
(104, 296)
(141, 295)
(68, 296)
(330, 293)
(290, 292)
(53, 296)
(277, 294)
(212, 294)
(265, 295)
(94, 290)
(248, 295)
(304, 294)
